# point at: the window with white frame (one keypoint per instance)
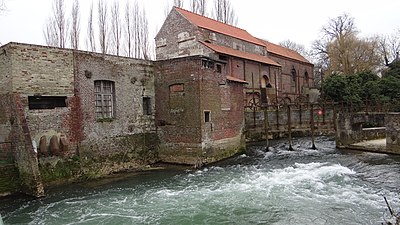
(104, 94)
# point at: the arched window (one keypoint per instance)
(306, 79)
(265, 83)
(294, 74)
(104, 95)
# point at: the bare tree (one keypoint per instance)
(293, 46)
(224, 12)
(136, 31)
(129, 28)
(116, 29)
(389, 46)
(103, 25)
(341, 51)
(198, 6)
(75, 26)
(178, 3)
(90, 40)
(50, 33)
(59, 16)
(56, 26)
(144, 35)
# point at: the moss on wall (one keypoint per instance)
(131, 152)
(9, 179)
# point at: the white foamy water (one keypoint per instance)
(304, 186)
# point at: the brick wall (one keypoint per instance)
(287, 86)
(133, 79)
(40, 70)
(188, 138)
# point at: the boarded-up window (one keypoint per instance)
(177, 97)
(225, 97)
(177, 88)
(46, 102)
(104, 94)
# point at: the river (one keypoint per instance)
(304, 186)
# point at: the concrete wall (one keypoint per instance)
(392, 121)
(350, 127)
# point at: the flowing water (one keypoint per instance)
(304, 186)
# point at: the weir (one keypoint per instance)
(287, 119)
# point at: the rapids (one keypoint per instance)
(304, 186)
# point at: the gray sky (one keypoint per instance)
(299, 21)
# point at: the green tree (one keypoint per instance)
(354, 89)
(390, 85)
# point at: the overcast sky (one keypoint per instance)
(297, 20)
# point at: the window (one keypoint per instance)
(207, 64)
(207, 116)
(147, 106)
(294, 74)
(104, 92)
(306, 79)
(46, 102)
(219, 68)
(177, 88)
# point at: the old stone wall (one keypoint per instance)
(175, 40)
(133, 80)
(19, 137)
(231, 42)
(128, 140)
(5, 70)
(350, 127)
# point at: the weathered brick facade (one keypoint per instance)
(183, 31)
(56, 96)
(116, 113)
(199, 113)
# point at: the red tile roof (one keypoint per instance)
(240, 54)
(285, 52)
(236, 79)
(219, 27)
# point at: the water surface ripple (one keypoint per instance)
(304, 186)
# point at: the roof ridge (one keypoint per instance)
(209, 18)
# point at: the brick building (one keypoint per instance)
(207, 73)
(120, 113)
(271, 72)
